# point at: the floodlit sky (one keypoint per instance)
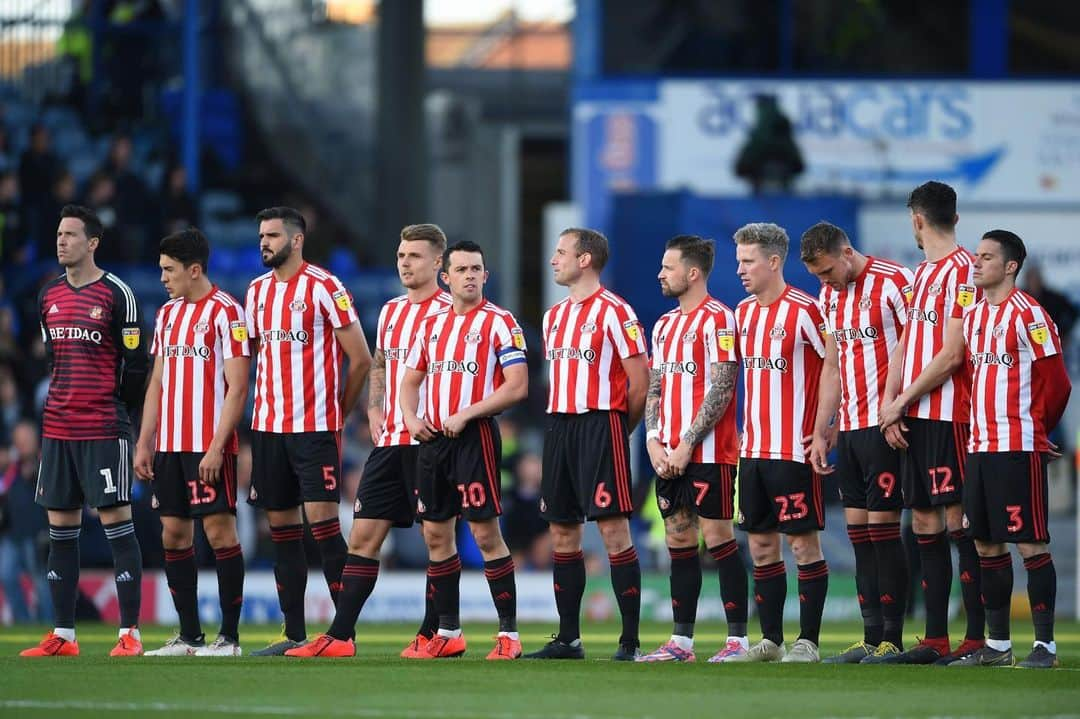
(442, 12)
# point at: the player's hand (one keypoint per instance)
(210, 467)
(894, 435)
(423, 430)
(892, 413)
(455, 424)
(144, 463)
(679, 458)
(658, 458)
(1053, 452)
(819, 454)
(376, 423)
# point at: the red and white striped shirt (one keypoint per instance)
(1004, 342)
(943, 290)
(782, 349)
(299, 370)
(463, 357)
(684, 348)
(399, 321)
(193, 340)
(585, 343)
(866, 319)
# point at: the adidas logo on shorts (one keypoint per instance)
(52, 576)
(124, 576)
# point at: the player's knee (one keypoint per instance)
(616, 534)
(1028, 550)
(764, 549)
(177, 537)
(486, 535)
(439, 537)
(221, 531)
(717, 532)
(565, 538)
(806, 547)
(925, 521)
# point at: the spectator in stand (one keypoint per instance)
(42, 228)
(1060, 308)
(132, 200)
(7, 159)
(38, 168)
(525, 530)
(179, 209)
(12, 238)
(21, 539)
(101, 198)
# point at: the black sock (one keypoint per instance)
(230, 582)
(936, 582)
(357, 582)
(626, 581)
(733, 585)
(1042, 593)
(685, 588)
(968, 566)
(997, 586)
(813, 586)
(182, 579)
(893, 579)
(63, 573)
(332, 549)
(446, 578)
(866, 582)
(568, 578)
(770, 591)
(127, 563)
(500, 577)
(430, 623)
(290, 573)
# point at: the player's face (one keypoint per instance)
(72, 244)
(175, 277)
(466, 276)
(989, 264)
(275, 243)
(417, 263)
(836, 271)
(565, 262)
(755, 270)
(674, 280)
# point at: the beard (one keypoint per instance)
(278, 258)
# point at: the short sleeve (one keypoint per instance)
(655, 358)
(1037, 334)
(823, 307)
(813, 328)
(508, 341)
(723, 337)
(380, 327)
(898, 293)
(625, 331)
(232, 329)
(418, 352)
(336, 302)
(158, 340)
(250, 315)
(961, 293)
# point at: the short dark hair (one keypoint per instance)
(91, 222)
(188, 246)
(696, 251)
(824, 238)
(935, 201)
(427, 232)
(288, 215)
(1012, 247)
(461, 246)
(592, 242)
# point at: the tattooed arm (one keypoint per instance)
(657, 453)
(377, 395)
(712, 409)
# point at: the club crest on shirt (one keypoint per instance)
(298, 306)
(865, 303)
(473, 338)
(96, 312)
(934, 289)
(588, 328)
(999, 331)
(689, 337)
(202, 327)
(965, 295)
(341, 299)
(632, 331)
(131, 337)
(518, 338)
(726, 339)
(238, 330)
(778, 332)
(1039, 332)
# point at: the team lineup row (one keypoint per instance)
(888, 367)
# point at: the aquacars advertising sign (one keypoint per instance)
(1013, 142)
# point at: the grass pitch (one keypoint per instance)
(378, 685)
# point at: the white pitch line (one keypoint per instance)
(34, 704)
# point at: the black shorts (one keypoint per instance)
(586, 467)
(74, 472)
(1005, 497)
(288, 469)
(932, 467)
(179, 493)
(460, 477)
(868, 471)
(777, 495)
(388, 488)
(707, 490)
